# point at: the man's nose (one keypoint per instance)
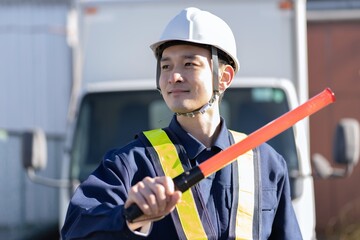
(175, 77)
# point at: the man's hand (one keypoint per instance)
(156, 197)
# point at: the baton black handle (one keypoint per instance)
(182, 182)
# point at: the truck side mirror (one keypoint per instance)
(34, 158)
(346, 142)
(345, 150)
(34, 149)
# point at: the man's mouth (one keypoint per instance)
(175, 91)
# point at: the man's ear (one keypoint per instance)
(226, 77)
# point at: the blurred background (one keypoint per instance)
(36, 72)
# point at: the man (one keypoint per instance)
(248, 199)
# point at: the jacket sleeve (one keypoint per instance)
(278, 216)
(96, 208)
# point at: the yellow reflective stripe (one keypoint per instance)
(171, 165)
(246, 200)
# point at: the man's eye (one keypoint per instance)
(189, 64)
(164, 67)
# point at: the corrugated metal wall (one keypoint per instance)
(35, 82)
(34, 67)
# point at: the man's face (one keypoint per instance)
(186, 77)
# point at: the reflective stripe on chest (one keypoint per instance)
(171, 165)
(246, 200)
(187, 211)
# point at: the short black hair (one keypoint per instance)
(223, 57)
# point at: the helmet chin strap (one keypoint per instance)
(216, 92)
(202, 110)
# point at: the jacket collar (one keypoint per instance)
(192, 146)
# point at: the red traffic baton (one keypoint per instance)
(191, 177)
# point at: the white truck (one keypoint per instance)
(114, 96)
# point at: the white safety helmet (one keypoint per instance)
(194, 26)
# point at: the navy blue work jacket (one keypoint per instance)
(96, 208)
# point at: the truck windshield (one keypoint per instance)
(111, 119)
